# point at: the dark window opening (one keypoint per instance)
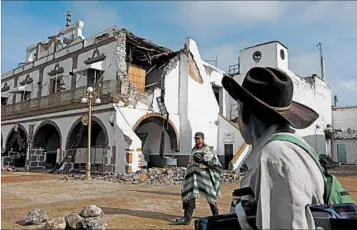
(93, 77)
(56, 85)
(228, 154)
(216, 93)
(4, 101)
(25, 96)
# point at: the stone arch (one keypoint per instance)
(158, 119)
(21, 127)
(13, 149)
(95, 121)
(48, 136)
(47, 122)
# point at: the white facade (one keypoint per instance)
(344, 142)
(344, 117)
(129, 119)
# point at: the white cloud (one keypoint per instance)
(350, 84)
(209, 17)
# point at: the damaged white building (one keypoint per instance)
(312, 91)
(152, 101)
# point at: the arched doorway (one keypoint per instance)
(78, 135)
(16, 145)
(149, 129)
(77, 144)
(48, 137)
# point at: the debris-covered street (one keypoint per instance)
(125, 206)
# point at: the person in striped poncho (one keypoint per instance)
(203, 176)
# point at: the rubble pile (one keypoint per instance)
(90, 217)
(9, 169)
(159, 176)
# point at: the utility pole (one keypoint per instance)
(322, 64)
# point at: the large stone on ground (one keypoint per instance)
(58, 223)
(74, 221)
(36, 216)
(94, 223)
(91, 211)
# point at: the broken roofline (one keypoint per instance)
(143, 43)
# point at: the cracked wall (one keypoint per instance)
(128, 92)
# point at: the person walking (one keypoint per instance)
(202, 176)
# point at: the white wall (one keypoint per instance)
(171, 91)
(344, 117)
(351, 150)
(270, 57)
(203, 108)
(226, 128)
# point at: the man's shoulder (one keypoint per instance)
(282, 151)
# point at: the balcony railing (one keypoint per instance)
(106, 90)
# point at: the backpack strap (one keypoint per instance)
(295, 140)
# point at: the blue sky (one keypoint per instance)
(220, 29)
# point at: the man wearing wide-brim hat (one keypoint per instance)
(283, 177)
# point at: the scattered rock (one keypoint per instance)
(56, 223)
(74, 221)
(91, 211)
(94, 223)
(36, 216)
(163, 176)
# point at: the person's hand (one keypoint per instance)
(198, 158)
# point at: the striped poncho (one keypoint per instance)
(202, 179)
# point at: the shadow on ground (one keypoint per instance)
(158, 192)
(21, 223)
(140, 213)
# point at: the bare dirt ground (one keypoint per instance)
(125, 206)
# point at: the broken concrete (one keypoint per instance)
(58, 223)
(94, 223)
(74, 221)
(91, 211)
(36, 216)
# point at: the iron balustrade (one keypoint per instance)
(106, 90)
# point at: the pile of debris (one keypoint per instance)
(89, 218)
(162, 176)
(9, 169)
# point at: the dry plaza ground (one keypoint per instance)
(125, 206)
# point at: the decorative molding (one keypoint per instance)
(56, 70)
(96, 57)
(28, 80)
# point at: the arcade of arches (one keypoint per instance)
(49, 138)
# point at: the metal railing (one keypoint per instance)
(234, 69)
(106, 90)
